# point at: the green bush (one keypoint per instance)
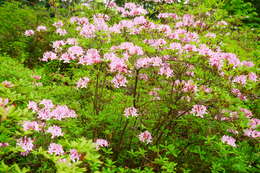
(15, 19)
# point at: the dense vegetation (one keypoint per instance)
(129, 86)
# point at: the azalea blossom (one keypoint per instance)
(119, 81)
(101, 143)
(55, 149)
(131, 111)
(3, 102)
(55, 131)
(7, 84)
(37, 77)
(31, 125)
(33, 106)
(29, 33)
(229, 140)
(4, 144)
(145, 137)
(82, 83)
(41, 28)
(199, 110)
(74, 155)
(26, 144)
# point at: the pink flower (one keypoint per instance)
(166, 70)
(37, 77)
(57, 45)
(29, 33)
(252, 133)
(252, 76)
(119, 81)
(26, 144)
(254, 122)
(75, 50)
(131, 111)
(155, 93)
(55, 131)
(143, 63)
(82, 83)
(199, 110)
(62, 112)
(166, 15)
(246, 112)
(31, 125)
(190, 48)
(88, 31)
(206, 89)
(240, 79)
(189, 87)
(156, 43)
(44, 114)
(143, 76)
(55, 149)
(247, 63)
(229, 140)
(92, 57)
(47, 103)
(4, 144)
(175, 46)
(58, 24)
(41, 28)
(7, 84)
(61, 32)
(71, 41)
(49, 55)
(101, 143)
(145, 137)
(33, 106)
(215, 60)
(3, 102)
(237, 93)
(74, 155)
(116, 64)
(66, 57)
(232, 59)
(130, 48)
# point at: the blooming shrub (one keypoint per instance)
(122, 91)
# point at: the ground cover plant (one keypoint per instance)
(129, 86)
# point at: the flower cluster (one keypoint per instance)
(4, 144)
(101, 143)
(145, 137)
(131, 111)
(74, 155)
(251, 131)
(131, 9)
(55, 131)
(82, 83)
(229, 140)
(26, 144)
(119, 81)
(55, 149)
(7, 84)
(199, 110)
(46, 110)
